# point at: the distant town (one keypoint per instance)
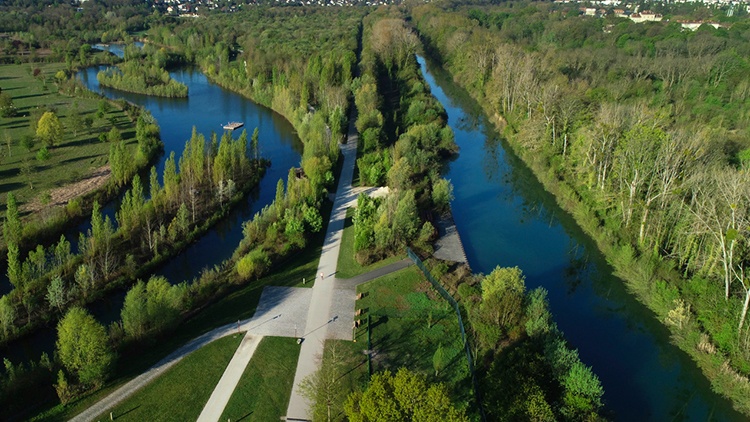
(632, 11)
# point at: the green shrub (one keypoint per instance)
(254, 264)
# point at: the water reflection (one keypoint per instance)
(506, 218)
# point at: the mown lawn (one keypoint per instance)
(181, 392)
(74, 157)
(347, 266)
(264, 389)
(409, 321)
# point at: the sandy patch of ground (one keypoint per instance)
(62, 195)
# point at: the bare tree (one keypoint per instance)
(720, 208)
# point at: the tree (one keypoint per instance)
(721, 212)
(28, 141)
(254, 144)
(404, 397)
(75, 120)
(440, 359)
(43, 154)
(583, 392)
(501, 308)
(101, 236)
(7, 108)
(8, 142)
(279, 203)
(64, 390)
(114, 136)
(27, 172)
(15, 272)
(84, 276)
(442, 195)
(83, 347)
(254, 264)
(49, 129)
(12, 226)
(405, 218)
(56, 295)
(323, 387)
(7, 315)
(151, 306)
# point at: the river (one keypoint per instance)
(207, 107)
(506, 218)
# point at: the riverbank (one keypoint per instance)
(637, 273)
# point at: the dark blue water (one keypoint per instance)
(506, 218)
(207, 108)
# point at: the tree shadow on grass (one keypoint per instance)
(9, 187)
(84, 141)
(18, 125)
(76, 159)
(30, 96)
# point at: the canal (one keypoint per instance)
(506, 218)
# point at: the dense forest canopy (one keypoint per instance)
(646, 127)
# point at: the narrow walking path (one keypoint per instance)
(319, 317)
(223, 392)
(136, 383)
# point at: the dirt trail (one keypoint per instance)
(62, 195)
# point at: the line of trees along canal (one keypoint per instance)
(403, 139)
(317, 108)
(642, 131)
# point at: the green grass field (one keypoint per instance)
(264, 389)
(71, 159)
(181, 392)
(347, 266)
(409, 321)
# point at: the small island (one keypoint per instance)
(133, 76)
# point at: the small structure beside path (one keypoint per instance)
(449, 246)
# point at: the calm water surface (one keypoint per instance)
(506, 218)
(207, 108)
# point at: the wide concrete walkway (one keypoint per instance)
(320, 318)
(223, 392)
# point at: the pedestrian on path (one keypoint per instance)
(321, 276)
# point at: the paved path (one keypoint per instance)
(220, 397)
(136, 383)
(320, 317)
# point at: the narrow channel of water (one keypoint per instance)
(506, 218)
(207, 108)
